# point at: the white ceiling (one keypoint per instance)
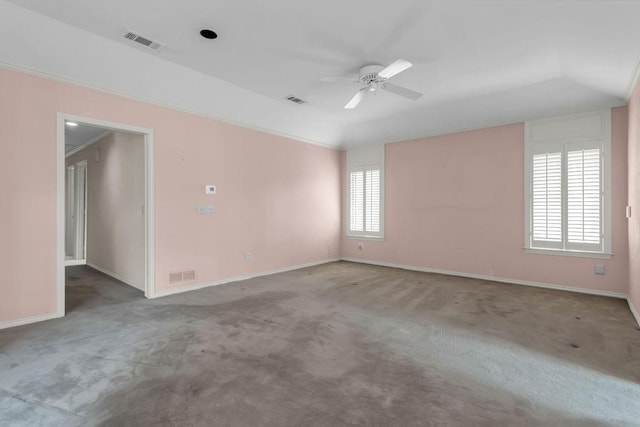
(75, 137)
(478, 63)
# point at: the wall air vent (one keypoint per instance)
(129, 35)
(294, 99)
(175, 278)
(182, 276)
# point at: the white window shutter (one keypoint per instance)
(365, 202)
(356, 205)
(584, 198)
(372, 211)
(546, 206)
(568, 184)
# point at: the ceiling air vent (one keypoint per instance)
(129, 35)
(294, 99)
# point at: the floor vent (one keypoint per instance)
(294, 99)
(129, 35)
(182, 276)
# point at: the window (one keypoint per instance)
(365, 184)
(364, 203)
(567, 201)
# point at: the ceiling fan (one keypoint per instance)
(374, 78)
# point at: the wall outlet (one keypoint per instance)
(248, 257)
(599, 269)
(360, 245)
(210, 189)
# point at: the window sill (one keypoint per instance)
(560, 252)
(364, 237)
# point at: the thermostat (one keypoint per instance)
(210, 189)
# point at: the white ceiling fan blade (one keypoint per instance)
(357, 98)
(402, 91)
(397, 67)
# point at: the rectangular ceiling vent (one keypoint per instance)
(294, 99)
(129, 35)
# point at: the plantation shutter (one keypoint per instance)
(567, 184)
(356, 206)
(546, 218)
(365, 202)
(365, 182)
(584, 199)
(372, 212)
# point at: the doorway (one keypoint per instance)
(77, 179)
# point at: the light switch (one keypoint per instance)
(210, 189)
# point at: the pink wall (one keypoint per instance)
(634, 198)
(277, 198)
(451, 202)
(456, 203)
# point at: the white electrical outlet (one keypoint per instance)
(248, 257)
(210, 189)
(599, 269)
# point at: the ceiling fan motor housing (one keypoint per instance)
(369, 76)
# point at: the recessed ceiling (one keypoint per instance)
(478, 63)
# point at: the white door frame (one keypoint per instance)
(149, 150)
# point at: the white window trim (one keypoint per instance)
(362, 160)
(556, 131)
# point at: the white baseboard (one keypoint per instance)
(493, 278)
(115, 276)
(72, 262)
(239, 278)
(634, 311)
(26, 320)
